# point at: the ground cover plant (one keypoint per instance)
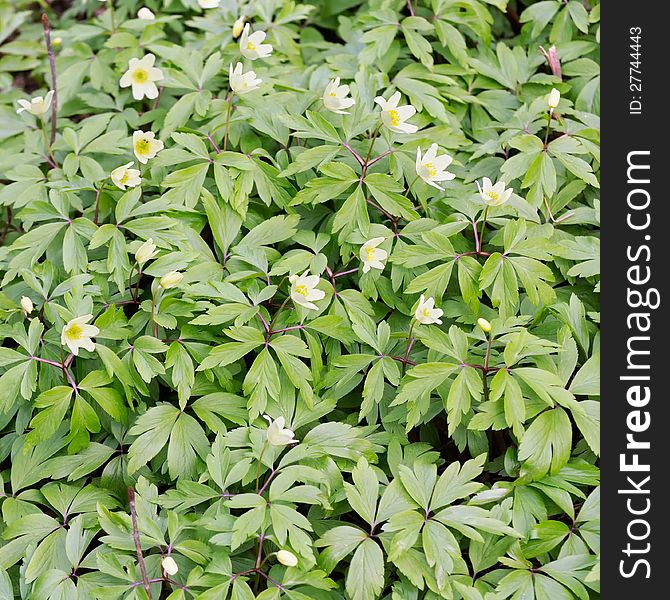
(299, 300)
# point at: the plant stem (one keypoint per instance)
(356, 155)
(54, 85)
(366, 162)
(281, 307)
(138, 545)
(410, 343)
(229, 99)
(546, 135)
(481, 233)
(97, 201)
(258, 468)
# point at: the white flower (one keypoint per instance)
(171, 279)
(394, 116)
(77, 334)
(169, 565)
(484, 324)
(431, 167)
(238, 26)
(277, 434)
(141, 75)
(425, 312)
(145, 14)
(125, 176)
(37, 106)
(26, 305)
(145, 145)
(335, 97)
(373, 257)
(494, 195)
(209, 3)
(286, 558)
(242, 83)
(252, 46)
(146, 252)
(303, 290)
(553, 99)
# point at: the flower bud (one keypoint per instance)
(146, 252)
(238, 27)
(145, 14)
(27, 305)
(169, 565)
(171, 279)
(286, 558)
(554, 98)
(485, 325)
(57, 41)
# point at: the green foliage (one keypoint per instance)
(411, 453)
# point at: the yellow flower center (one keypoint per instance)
(124, 178)
(493, 195)
(251, 45)
(426, 312)
(395, 117)
(432, 171)
(142, 146)
(370, 253)
(333, 94)
(140, 76)
(302, 290)
(74, 332)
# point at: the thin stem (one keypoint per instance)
(343, 273)
(229, 99)
(54, 84)
(474, 231)
(273, 472)
(98, 192)
(410, 343)
(154, 325)
(53, 363)
(366, 162)
(481, 233)
(546, 135)
(50, 156)
(378, 158)
(355, 154)
(387, 214)
(259, 556)
(258, 468)
(284, 329)
(138, 545)
(403, 360)
(264, 322)
(409, 6)
(488, 352)
(211, 141)
(281, 307)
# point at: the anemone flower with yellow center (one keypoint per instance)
(77, 334)
(394, 117)
(141, 76)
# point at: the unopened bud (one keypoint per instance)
(238, 27)
(286, 558)
(485, 325)
(27, 305)
(554, 98)
(145, 14)
(169, 565)
(171, 279)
